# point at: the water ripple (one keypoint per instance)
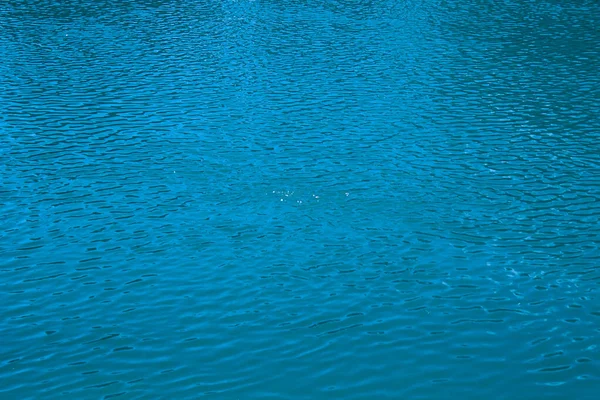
(267, 199)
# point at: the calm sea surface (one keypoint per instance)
(300, 199)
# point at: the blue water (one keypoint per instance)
(300, 199)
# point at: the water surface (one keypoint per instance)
(300, 199)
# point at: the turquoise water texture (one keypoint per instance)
(305, 199)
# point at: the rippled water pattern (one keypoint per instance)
(300, 199)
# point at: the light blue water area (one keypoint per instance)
(300, 199)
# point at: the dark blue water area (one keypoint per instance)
(307, 199)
